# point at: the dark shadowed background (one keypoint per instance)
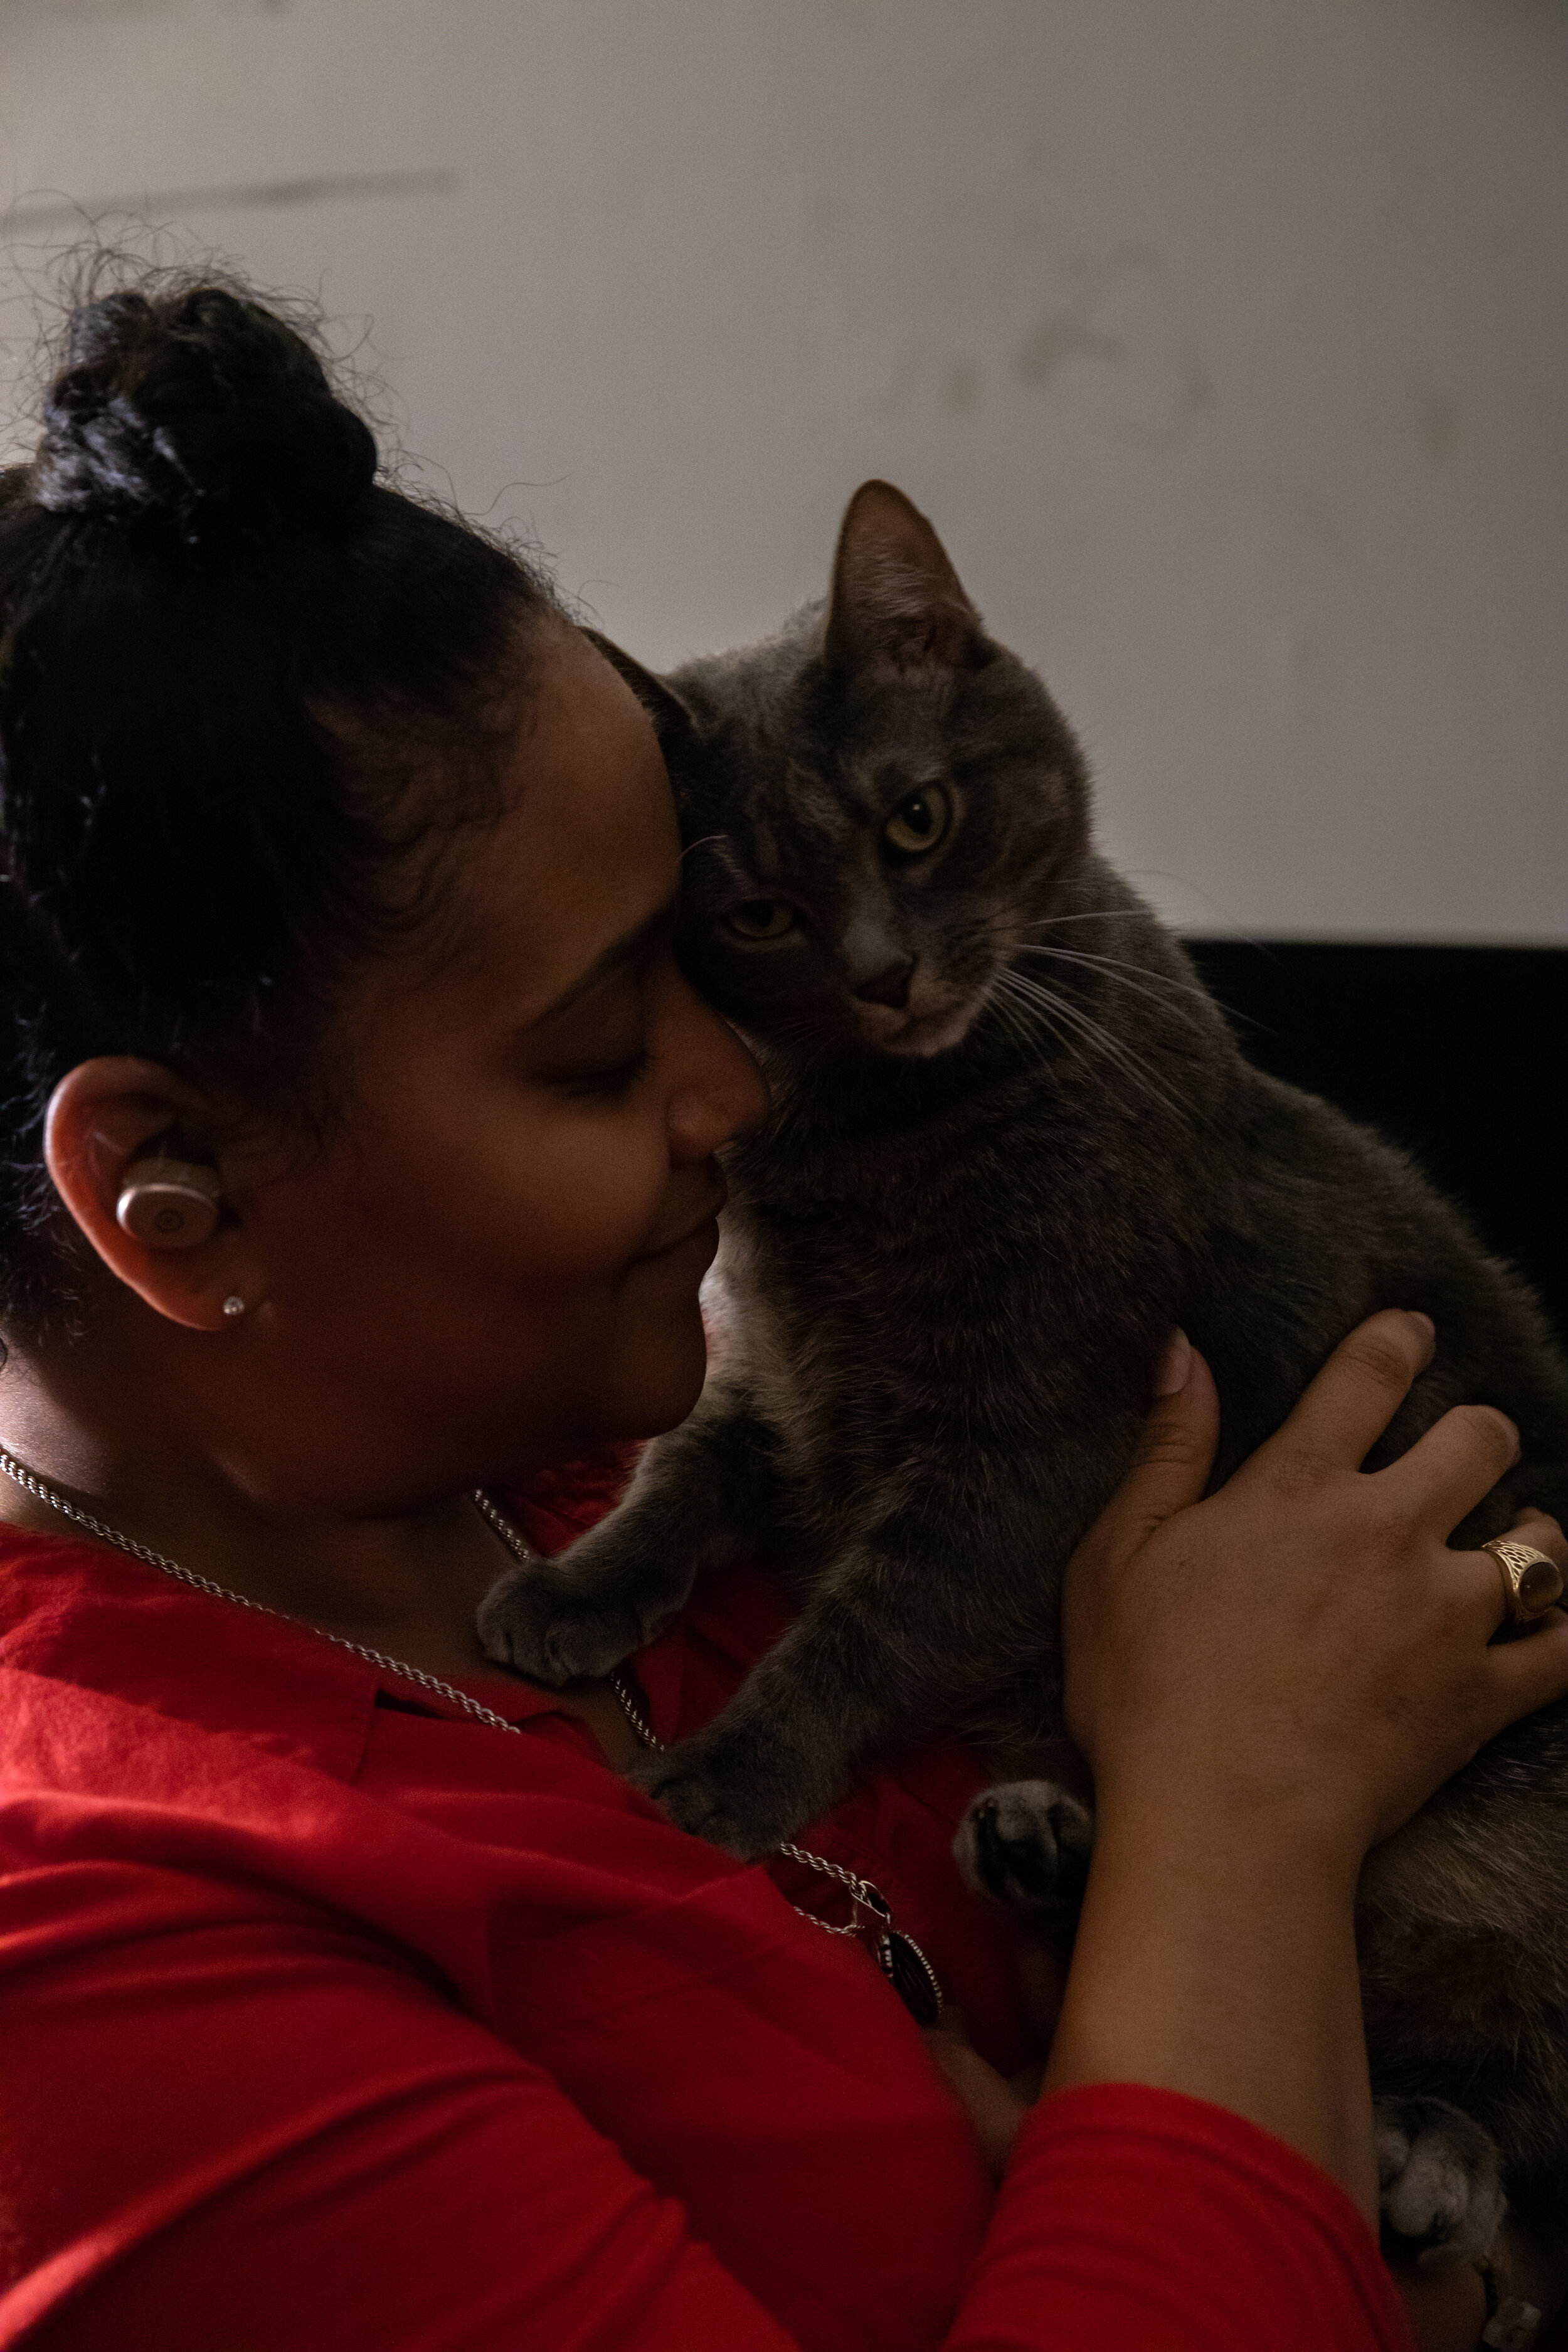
(1458, 1053)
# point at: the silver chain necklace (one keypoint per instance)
(898, 1956)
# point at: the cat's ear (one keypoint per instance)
(896, 597)
(672, 721)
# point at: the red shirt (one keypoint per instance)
(332, 2018)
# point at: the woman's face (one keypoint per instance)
(496, 1261)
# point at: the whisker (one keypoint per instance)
(1083, 1020)
(1117, 968)
(1087, 1041)
(1191, 988)
(1027, 1004)
(1091, 915)
(1009, 1018)
(1060, 1039)
(1132, 1064)
(965, 935)
(1028, 1010)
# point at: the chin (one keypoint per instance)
(919, 1032)
(668, 1412)
(658, 1387)
(936, 1032)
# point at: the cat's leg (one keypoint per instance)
(1026, 1844)
(1459, 1931)
(705, 1487)
(1442, 2194)
(888, 1643)
(924, 1612)
(827, 1694)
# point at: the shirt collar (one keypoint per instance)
(82, 1613)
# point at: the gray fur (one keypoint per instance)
(947, 1275)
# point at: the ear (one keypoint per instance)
(896, 598)
(105, 1116)
(672, 721)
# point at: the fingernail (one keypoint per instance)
(1426, 1320)
(1174, 1366)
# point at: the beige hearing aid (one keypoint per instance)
(169, 1204)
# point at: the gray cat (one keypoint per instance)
(1012, 1144)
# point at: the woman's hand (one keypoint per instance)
(1303, 1643)
(1265, 1683)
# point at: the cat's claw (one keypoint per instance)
(1442, 2194)
(541, 1623)
(1026, 1844)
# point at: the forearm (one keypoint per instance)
(1214, 1961)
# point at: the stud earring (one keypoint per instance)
(169, 1204)
(234, 1305)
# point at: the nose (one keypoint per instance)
(890, 987)
(722, 1093)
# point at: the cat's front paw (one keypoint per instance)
(1026, 1844)
(544, 1625)
(1442, 2193)
(719, 1788)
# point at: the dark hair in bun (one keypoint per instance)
(201, 411)
(246, 696)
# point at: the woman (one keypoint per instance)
(349, 1999)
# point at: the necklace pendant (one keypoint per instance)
(911, 1974)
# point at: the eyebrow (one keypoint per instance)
(623, 951)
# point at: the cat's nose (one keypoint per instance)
(890, 987)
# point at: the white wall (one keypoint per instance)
(1224, 340)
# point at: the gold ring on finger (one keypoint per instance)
(1531, 1582)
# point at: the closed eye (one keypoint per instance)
(618, 1080)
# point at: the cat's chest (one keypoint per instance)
(1000, 1215)
(968, 1280)
(845, 1308)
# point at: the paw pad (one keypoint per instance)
(1026, 1844)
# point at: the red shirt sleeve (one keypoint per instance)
(372, 2171)
(1138, 2220)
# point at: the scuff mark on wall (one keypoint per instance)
(316, 188)
(1144, 382)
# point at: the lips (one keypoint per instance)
(698, 1224)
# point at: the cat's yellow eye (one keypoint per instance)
(761, 919)
(919, 822)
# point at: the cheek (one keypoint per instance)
(464, 1226)
(585, 1199)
